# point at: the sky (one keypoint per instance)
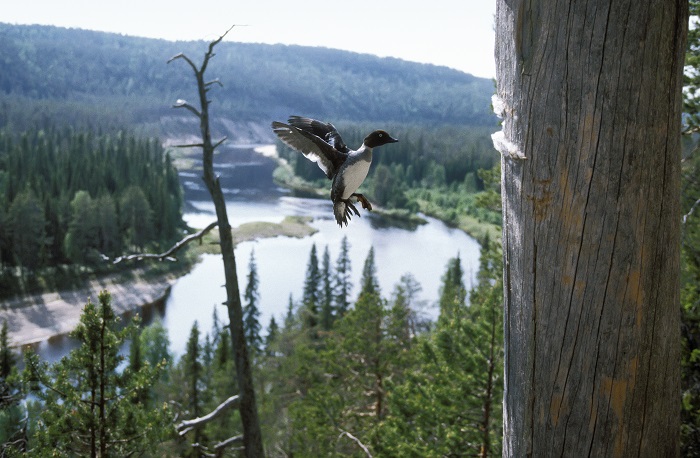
(454, 33)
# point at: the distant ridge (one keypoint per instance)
(77, 76)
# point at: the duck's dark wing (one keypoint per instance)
(325, 131)
(328, 158)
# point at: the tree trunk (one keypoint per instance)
(590, 94)
(252, 436)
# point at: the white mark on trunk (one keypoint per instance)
(505, 146)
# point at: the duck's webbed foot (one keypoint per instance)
(343, 210)
(363, 200)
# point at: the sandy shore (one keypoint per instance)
(35, 318)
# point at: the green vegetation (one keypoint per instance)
(690, 249)
(450, 173)
(83, 78)
(336, 378)
(86, 405)
(69, 199)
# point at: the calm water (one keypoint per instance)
(281, 261)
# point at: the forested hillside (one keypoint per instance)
(70, 197)
(92, 78)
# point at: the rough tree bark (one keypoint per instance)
(590, 95)
(252, 437)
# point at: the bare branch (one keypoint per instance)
(179, 103)
(186, 59)
(228, 442)
(216, 145)
(690, 213)
(216, 81)
(168, 255)
(356, 440)
(188, 425)
(189, 145)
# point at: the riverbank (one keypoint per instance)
(37, 317)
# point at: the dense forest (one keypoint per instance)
(75, 198)
(334, 377)
(87, 78)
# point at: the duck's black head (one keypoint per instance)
(378, 138)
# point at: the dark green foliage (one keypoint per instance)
(342, 284)
(450, 404)
(71, 196)
(326, 292)
(89, 407)
(251, 312)
(312, 293)
(690, 248)
(12, 418)
(92, 78)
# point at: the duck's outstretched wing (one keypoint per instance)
(323, 130)
(315, 148)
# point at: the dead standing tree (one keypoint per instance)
(252, 438)
(590, 95)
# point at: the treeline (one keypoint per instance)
(69, 197)
(332, 378)
(95, 77)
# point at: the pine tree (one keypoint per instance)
(88, 407)
(311, 295)
(343, 284)
(251, 312)
(368, 281)
(191, 368)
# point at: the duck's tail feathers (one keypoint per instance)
(343, 210)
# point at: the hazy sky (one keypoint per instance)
(454, 33)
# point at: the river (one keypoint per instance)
(422, 250)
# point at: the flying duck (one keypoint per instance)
(321, 143)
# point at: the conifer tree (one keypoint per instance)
(26, 226)
(136, 217)
(453, 293)
(191, 366)
(368, 281)
(343, 284)
(451, 399)
(311, 295)
(273, 331)
(12, 425)
(88, 407)
(327, 312)
(251, 312)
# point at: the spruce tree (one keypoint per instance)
(368, 282)
(273, 332)
(343, 284)
(251, 312)
(326, 297)
(311, 295)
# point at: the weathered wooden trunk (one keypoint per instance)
(590, 94)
